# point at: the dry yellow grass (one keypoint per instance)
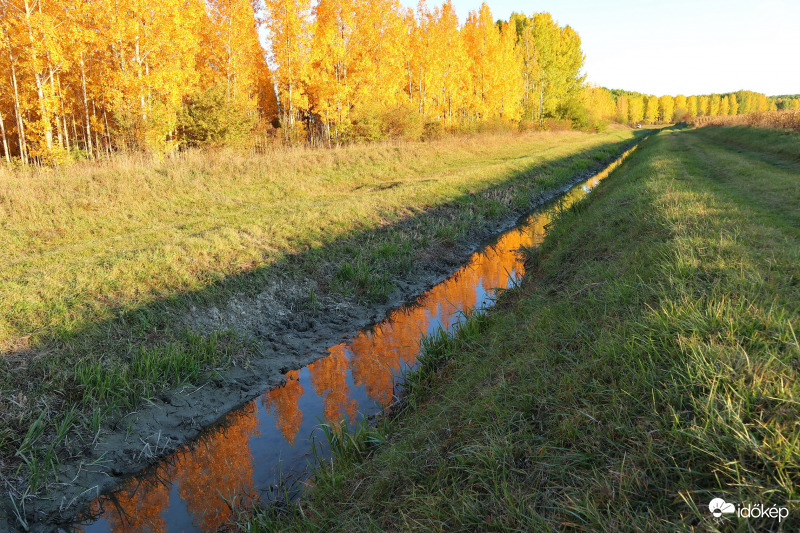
(779, 120)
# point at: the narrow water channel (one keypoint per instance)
(269, 439)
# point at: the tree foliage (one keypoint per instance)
(98, 76)
(91, 77)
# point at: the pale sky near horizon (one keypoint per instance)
(682, 46)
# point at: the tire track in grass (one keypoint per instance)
(772, 190)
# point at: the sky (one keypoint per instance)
(679, 47)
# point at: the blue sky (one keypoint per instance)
(683, 46)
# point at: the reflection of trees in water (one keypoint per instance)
(329, 379)
(283, 402)
(377, 354)
(218, 469)
(138, 507)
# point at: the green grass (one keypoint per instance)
(779, 147)
(100, 262)
(648, 363)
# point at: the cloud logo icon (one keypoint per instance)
(718, 507)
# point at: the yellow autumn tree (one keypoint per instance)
(681, 108)
(651, 109)
(713, 105)
(482, 43)
(453, 63)
(289, 23)
(704, 106)
(36, 55)
(635, 109)
(692, 106)
(232, 54)
(151, 68)
(733, 105)
(666, 108)
(600, 106)
(724, 106)
(510, 83)
(495, 81)
(230, 100)
(622, 109)
(424, 69)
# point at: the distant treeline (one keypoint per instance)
(631, 107)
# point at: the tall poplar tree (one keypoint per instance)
(666, 108)
(289, 23)
(636, 109)
(651, 109)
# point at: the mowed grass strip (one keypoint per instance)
(648, 364)
(101, 262)
(761, 143)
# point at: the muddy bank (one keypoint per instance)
(290, 329)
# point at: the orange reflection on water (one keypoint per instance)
(376, 355)
(218, 469)
(283, 402)
(139, 510)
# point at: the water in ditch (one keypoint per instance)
(268, 441)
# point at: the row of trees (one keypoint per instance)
(102, 75)
(96, 76)
(348, 68)
(629, 107)
(89, 77)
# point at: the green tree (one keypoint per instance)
(213, 118)
(553, 75)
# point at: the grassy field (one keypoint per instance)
(648, 364)
(100, 262)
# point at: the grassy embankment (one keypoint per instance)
(648, 363)
(98, 261)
